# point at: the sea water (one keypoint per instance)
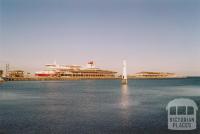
(93, 106)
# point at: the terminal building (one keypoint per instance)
(75, 71)
(15, 74)
(154, 75)
(1, 73)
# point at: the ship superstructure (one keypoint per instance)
(75, 71)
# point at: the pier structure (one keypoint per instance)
(124, 74)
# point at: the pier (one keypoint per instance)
(57, 78)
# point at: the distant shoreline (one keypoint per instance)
(67, 79)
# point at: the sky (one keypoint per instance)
(152, 35)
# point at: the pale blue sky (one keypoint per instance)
(152, 35)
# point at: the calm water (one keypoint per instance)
(92, 107)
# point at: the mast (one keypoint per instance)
(124, 75)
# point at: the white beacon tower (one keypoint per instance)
(124, 75)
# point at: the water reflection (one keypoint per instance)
(124, 105)
(124, 97)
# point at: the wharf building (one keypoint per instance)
(154, 75)
(15, 74)
(1, 73)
